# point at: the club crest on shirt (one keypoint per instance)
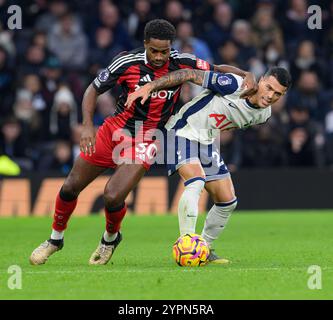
(224, 80)
(103, 75)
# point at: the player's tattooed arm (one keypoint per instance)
(178, 77)
(170, 80)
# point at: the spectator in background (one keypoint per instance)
(13, 142)
(51, 77)
(266, 30)
(75, 137)
(137, 20)
(305, 139)
(28, 116)
(103, 50)
(33, 60)
(217, 32)
(231, 149)
(295, 26)
(68, 43)
(106, 105)
(63, 114)
(307, 60)
(272, 57)
(329, 135)
(185, 35)
(228, 54)
(308, 92)
(109, 18)
(242, 34)
(46, 21)
(260, 149)
(40, 39)
(7, 89)
(175, 13)
(60, 160)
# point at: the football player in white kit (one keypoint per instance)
(197, 124)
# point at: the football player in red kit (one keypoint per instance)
(127, 127)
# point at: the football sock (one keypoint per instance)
(109, 237)
(217, 219)
(114, 217)
(57, 235)
(64, 207)
(188, 205)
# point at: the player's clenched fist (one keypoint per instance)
(87, 141)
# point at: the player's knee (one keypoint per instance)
(112, 199)
(69, 190)
(227, 206)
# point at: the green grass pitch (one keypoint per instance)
(270, 252)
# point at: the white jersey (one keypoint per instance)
(215, 109)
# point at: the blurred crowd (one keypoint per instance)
(46, 66)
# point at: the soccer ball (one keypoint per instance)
(190, 250)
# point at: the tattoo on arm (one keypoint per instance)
(178, 77)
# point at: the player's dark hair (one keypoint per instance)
(281, 75)
(159, 29)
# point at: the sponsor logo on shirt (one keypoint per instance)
(202, 64)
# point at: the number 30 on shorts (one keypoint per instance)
(146, 149)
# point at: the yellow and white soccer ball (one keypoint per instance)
(190, 250)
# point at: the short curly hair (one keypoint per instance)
(159, 29)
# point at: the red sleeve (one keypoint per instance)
(190, 61)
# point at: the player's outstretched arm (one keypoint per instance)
(249, 84)
(87, 141)
(168, 81)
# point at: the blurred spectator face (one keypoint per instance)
(58, 8)
(184, 30)
(269, 91)
(67, 24)
(174, 10)
(142, 7)
(298, 138)
(109, 15)
(23, 106)
(35, 54)
(32, 83)
(299, 115)
(63, 152)
(299, 6)
(241, 32)
(264, 17)
(306, 50)
(272, 53)
(229, 52)
(104, 37)
(63, 109)
(106, 104)
(308, 82)
(11, 130)
(223, 14)
(40, 40)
